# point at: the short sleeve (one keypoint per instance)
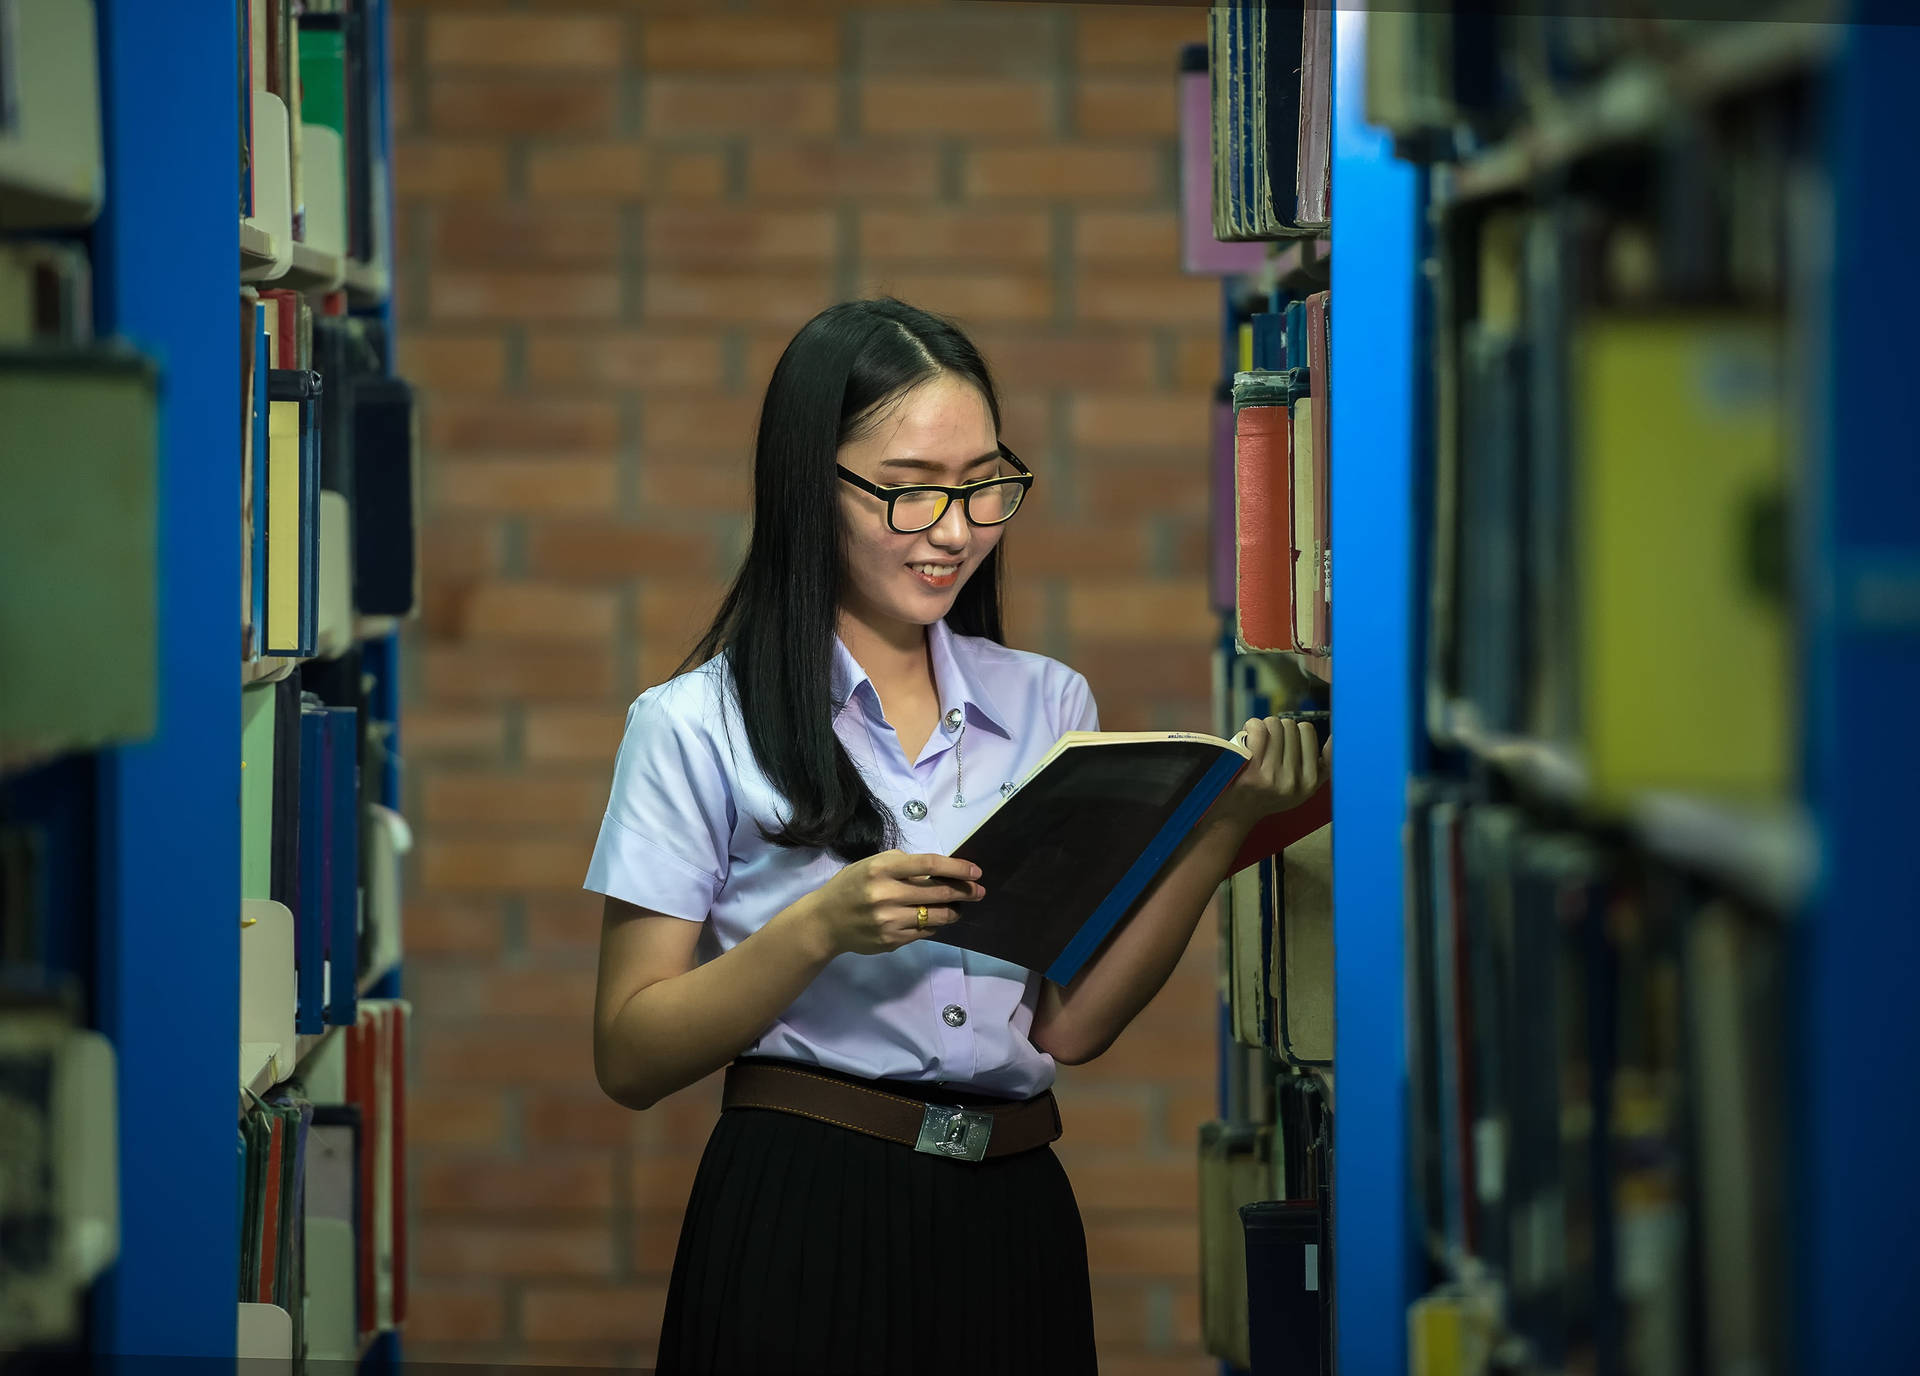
(664, 839)
(1077, 709)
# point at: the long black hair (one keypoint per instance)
(841, 374)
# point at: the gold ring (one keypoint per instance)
(921, 920)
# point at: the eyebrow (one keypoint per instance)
(929, 466)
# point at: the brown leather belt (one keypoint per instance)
(949, 1130)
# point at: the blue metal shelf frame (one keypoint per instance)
(167, 974)
(1374, 692)
(1858, 1213)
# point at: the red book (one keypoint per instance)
(270, 1209)
(1263, 577)
(1322, 452)
(399, 1110)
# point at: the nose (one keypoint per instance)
(952, 530)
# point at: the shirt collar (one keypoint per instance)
(955, 678)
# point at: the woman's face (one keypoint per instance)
(939, 432)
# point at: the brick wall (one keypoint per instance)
(612, 217)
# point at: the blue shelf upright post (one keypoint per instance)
(1859, 1037)
(167, 973)
(1372, 343)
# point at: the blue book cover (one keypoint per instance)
(343, 950)
(308, 937)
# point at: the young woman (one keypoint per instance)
(773, 860)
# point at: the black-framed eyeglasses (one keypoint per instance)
(919, 506)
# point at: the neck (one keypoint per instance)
(891, 652)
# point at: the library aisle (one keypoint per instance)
(1565, 1035)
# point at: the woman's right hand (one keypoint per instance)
(872, 906)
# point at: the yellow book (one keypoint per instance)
(283, 526)
(1680, 481)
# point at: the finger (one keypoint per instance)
(941, 891)
(931, 867)
(1255, 732)
(1309, 757)
(1286, 774)
(937, 918)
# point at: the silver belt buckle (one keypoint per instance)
(956, 1133)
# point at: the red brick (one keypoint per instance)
(519, 295)
(433, 732)
(814, 169)
(1145, 38)
(525, 41)
(974, 108)
(453, 927)
(1099, 360)
(463, 548)
(971, 296)
(603, 551)
(514, 1250)
(1194, 1363)
(711, 295)
(520, 105)
(767, 42)
(1065, 171)
(582, 487)
(1197, 361)
(468, 1119)
(1122, 1314)
(681, 425)
(573, 735)
(527, 1052)
(579, 1356)
(1148, 299)
(998, 237)
(663, 359)
(1105, 108)
(662, 1182)
(1124, 1247)
(1186, 1315)
(1101, 1120)
(964, 40)
(492, 798)
(1145, 238)
(577, 1182)
(576, 1119)
(568, 926)
(1083, 551)
(736, 236)
(704, 105)
(504, 673)
(674, 612)
(682, 1122)
(1170, 1184)
(626, 1313)
(503, 864)
(656, 1236)
(444, 361)
(521, 423)
(1135, 484)
(473, 1312)
(1130, 420)
(532, 611)
(625, 172)
(1174, 670)
(694, 487)
(435, 167)
(526, 236)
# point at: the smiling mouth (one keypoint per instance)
(935, 575)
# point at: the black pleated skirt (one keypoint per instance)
(810, 1248)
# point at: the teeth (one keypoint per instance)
(934, 570)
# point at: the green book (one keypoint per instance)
(257, 719)
(323, 77)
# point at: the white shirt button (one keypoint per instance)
(955, 1015)
(915, 810)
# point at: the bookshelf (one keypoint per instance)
(1707, 1177)
(129, 826)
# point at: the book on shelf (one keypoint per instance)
(51, 171)
(79, 541)
(1076, 843)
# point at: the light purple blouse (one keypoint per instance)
(681, 837)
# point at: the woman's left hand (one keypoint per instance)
(1288, 765)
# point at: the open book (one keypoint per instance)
(1068, 853)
